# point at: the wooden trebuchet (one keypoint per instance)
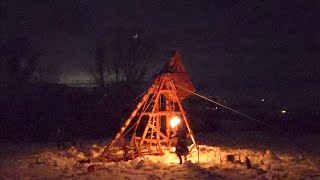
(159, 105)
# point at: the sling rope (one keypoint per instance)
(299, 147)
(235, 111)
(138, 97)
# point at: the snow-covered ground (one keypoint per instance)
(45, 161)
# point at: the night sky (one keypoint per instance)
(241, 51)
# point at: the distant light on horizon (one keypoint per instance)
(283, 111)
(136, 36)
(83, 79)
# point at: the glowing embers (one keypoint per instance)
(174, 121)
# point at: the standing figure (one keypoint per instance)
(182, 147)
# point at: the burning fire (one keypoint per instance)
(174, 121)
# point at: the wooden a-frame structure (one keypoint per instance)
(152, 115)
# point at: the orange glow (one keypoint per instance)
(174, 121)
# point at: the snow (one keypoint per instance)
(48, 162)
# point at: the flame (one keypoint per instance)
(174, 121)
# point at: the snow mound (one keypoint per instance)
(208, 163)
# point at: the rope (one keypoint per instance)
(137, 121)
(128, 130)
(299, 148)
(138, 97)
(235, 111)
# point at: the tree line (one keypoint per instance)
(122, 58)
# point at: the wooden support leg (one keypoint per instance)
(126, 124)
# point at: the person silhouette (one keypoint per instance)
(181, 146)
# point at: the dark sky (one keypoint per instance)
(238, 50)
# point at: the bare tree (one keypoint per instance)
(99, 69)
(20, 60)
(131, 54)
(50, 72)
(118, 47)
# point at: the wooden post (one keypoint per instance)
(138, 122)
(155, 107)
(126, 124)
(184, 116)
